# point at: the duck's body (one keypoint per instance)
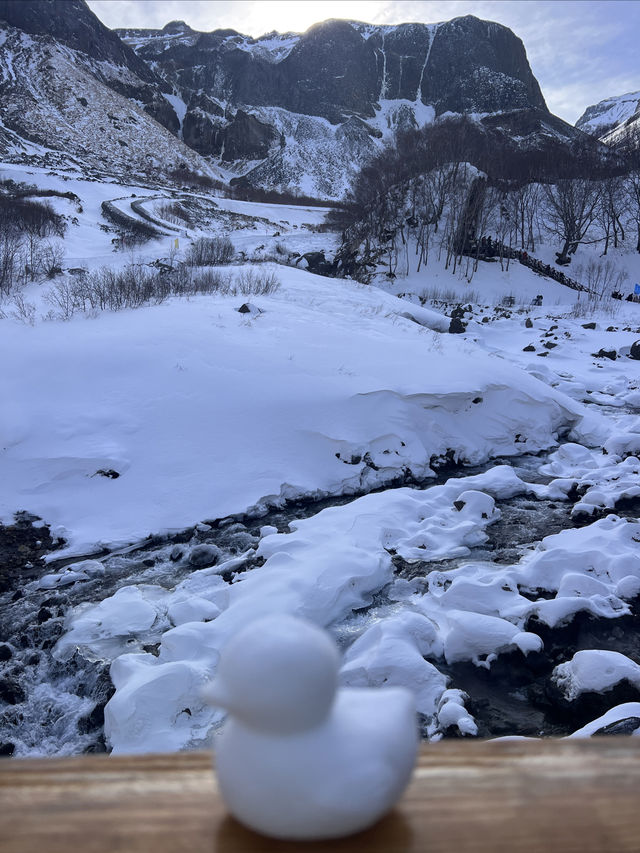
(299, 758)
(333, 780)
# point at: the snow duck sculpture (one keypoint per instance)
(299, 758)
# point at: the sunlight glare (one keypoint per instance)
(285, 16)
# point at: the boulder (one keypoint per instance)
(204, 555)
(456, 326)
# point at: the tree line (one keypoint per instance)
(442, 188)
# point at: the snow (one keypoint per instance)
(594, 671)
(601, 117)
(189, 390)
(393, 111)
(102, 129)
(626, 711)
(332, 564)
(179, 107)
(273, 46)
(327, 566)
(329, 387)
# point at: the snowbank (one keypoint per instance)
(203, 412)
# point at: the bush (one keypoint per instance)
(134, 286)
(33, 217)
(602, 277)
(173, 212)
(211, 252)
(251, 282)
(185, 176)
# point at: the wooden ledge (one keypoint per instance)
(576, 795)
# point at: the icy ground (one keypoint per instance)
(324, 389)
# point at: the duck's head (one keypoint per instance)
(279, 674)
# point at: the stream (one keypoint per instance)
(50, 706)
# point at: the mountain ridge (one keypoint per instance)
(612, 120)
(294, 112)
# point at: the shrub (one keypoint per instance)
(173, 212)
(253, 282)
(33, 217)
(602, 276)
(185, 176)
(133, 286)
(211, 252)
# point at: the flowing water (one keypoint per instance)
(50, 705)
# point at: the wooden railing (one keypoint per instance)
(547, 795)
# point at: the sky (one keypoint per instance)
(581, 51)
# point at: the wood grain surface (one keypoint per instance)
(578, 795)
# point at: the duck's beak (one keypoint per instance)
(215, 693)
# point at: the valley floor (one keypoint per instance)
(207, 428)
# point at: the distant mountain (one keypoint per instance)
(304, 111)
(67, 83)
(615, 122)
(607, 118)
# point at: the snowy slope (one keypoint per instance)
(324, 387)
(303, 382)
(56, 98)
(605, 116)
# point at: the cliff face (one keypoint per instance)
(72, 92)
(341, 68)
(299, 112)
(312, 107)
(73, 24)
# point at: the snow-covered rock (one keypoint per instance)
(594, 671)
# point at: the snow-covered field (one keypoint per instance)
(324, 387)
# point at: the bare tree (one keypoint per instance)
(571, 210)
(524, 203)
(10, 247)
(632, 194)
(609, 211)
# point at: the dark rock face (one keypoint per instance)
(479, 66)
(366, 81)
(635, 350)
(312, 108)
(346, 76)
(340, 68)
(74, 24)
(245, 137)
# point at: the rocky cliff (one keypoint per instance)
(311, 107)
(297, 112)
(83, 105)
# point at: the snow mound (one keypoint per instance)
(594, 671)
(205, 413)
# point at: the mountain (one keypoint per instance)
(294, 112)
(304, 111)
(613, 119)
(71, 91)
